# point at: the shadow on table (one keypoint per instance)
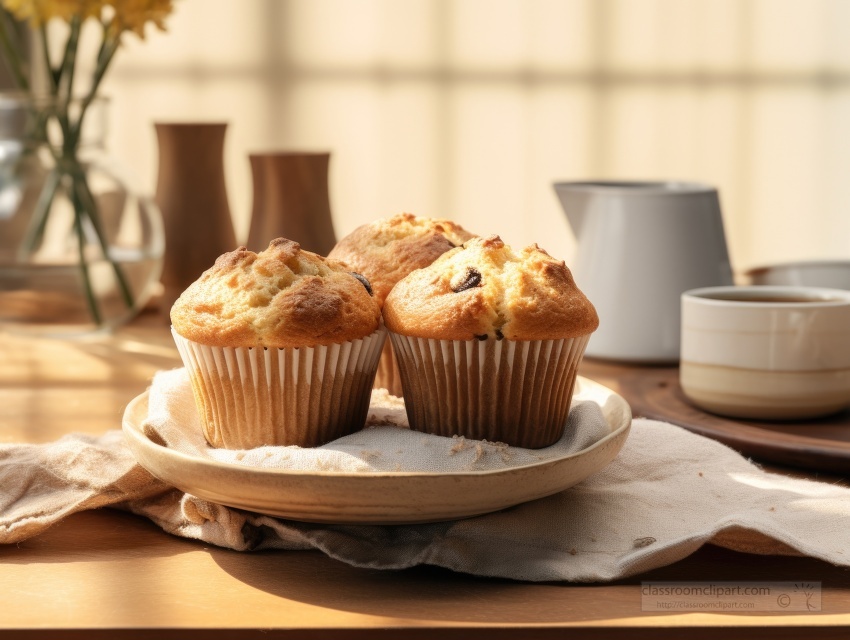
(410, 593)
(110, 537)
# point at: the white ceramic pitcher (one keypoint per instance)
(640, 246)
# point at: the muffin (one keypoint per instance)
(281, 347)
(385, 251)
(489, 341)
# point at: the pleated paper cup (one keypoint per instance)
(388, 376)
(249, 397)
(512, 391)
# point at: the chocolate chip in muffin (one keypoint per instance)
(471, 279)
(363, 281)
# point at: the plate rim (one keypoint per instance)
(351, 498)
(133, 431)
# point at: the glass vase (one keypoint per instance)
(80, 248)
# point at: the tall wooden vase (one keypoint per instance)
(192, 195)
(291, 200)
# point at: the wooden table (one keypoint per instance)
(111, 574)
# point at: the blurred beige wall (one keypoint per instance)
(470, 109)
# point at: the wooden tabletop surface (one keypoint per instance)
(111, 574)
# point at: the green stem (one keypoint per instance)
(52, 74)
(108, 52)
(35, 231)
(104, 39)
(60, 107)
(69, 62)
(13, 59)
(65, 86)
(89, 207)
(84, 265)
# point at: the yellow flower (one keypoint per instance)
(133, 15)
(40, 11)
(123, 15)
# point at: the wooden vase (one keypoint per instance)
(192, 195)
(291, 200)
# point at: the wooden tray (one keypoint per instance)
(654, 392)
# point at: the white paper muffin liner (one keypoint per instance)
(305, 396)
(512, 391)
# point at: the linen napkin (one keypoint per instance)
(666, 494)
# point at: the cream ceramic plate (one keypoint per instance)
(380, 497)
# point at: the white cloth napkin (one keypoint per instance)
(666, 494)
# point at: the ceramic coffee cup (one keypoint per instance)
(766, 352)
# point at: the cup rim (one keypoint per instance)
(636, 187)
(818, 297)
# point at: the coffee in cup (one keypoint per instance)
(775, 353)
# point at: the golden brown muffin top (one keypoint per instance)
(388, 249)
(281, 297)
(486, 290)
